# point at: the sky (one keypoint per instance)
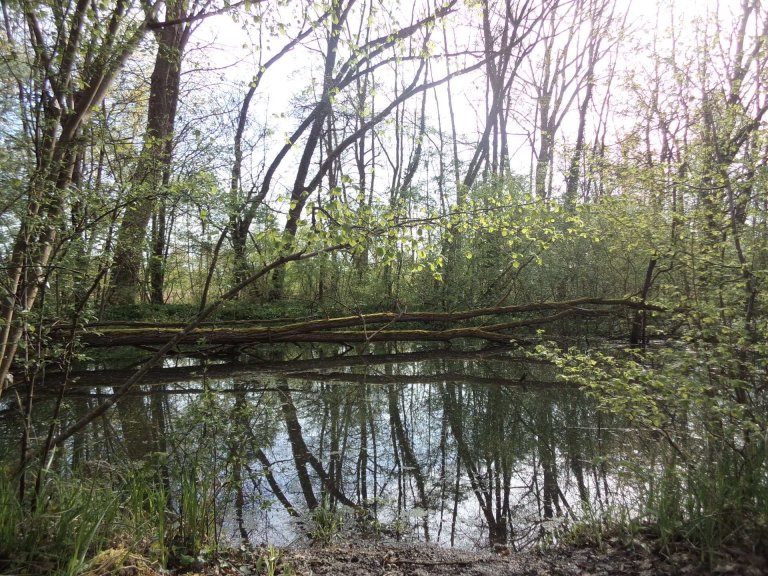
(228, 48)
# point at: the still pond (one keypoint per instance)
(470, 448)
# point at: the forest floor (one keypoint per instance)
(614, 558)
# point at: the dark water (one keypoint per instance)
(468, 448)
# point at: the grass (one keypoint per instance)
(326, 523)
(72, 524)
(714, 506)
(57, 532)
(11, 517)
(272, 563)
(234, 310)
(594, 527)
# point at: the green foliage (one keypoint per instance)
(245, 310)
(684, 188)
(67, 523)
(594, 527)
(233, 310)
(326, 523)
(167, 507)
(197, 512)
(11, 516)
(270, 563)
(150, 312)
(711, 486)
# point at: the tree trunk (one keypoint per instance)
(157, 257)
(299, 193)
(154, 165)
(637, 334)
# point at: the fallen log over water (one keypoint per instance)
(362, 328)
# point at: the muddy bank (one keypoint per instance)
(639, 558)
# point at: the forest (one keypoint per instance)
(450, 221)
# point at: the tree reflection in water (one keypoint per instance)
(457, 448)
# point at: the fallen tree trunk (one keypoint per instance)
(375, 327)
(254, 336)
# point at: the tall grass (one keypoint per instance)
(75, 518)
(67, 522)
(197, 513)
(11, 516)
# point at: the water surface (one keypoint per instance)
(461, 448)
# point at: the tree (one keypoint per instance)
(73, 62)
(245, 202)
(372, 55)
(509, 37)
(566, 74)
(153, 170)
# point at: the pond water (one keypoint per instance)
(462, 448)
